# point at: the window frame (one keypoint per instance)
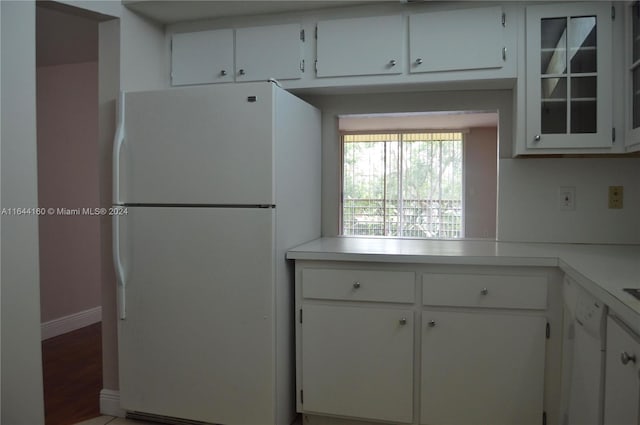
(342, 133)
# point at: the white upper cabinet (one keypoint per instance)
(569, 79)
(361, 46)
(457, 40)
(269, 52)
(206, 57)
(632, 55)
(202, 57)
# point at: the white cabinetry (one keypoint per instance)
(622, 379)
(269, 52)
(569, 76)
(202, 57)
(357, 359)
(358, 362)
(481, 368)
(491, 360)
(260, 53)
(632, 56)
(477, 354)
(456, 40)
(360, 46)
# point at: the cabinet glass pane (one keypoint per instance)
(635, 18)
(554, 105)
(584, 105)
(553, 59)
(584, 87)
(582, 44)
(636, 97)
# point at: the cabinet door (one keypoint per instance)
(268, 52)
(632, 54)
(202, 57)
(361, 46)
(456, 40)
(492, 364)
(358, 362)
(569, 78)
(622, 379)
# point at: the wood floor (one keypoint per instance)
(72, 369)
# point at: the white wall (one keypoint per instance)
(528, 200)
(143, 63)
(67, 110)
(480, 182)
(144, 54)
(334, 105)
(22, 396)
(527, 188)
(108, 89)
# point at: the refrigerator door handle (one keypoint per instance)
(118, 140)
(118, 267)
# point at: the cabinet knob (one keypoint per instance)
(625, 358)
(484, 291)
(403, 321)
(537, 138)
(432, 323)
(392, 62)
(223, 72)
(418, 61)
(241, 72)
(356, 285)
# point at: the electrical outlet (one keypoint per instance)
(567, 198)
(616, 197)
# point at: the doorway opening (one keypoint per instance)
(71, 183)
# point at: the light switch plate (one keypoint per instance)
(616, 197)
(567, 198)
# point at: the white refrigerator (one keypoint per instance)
(214, 184)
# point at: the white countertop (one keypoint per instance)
(603, 270)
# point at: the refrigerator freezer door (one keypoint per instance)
(197, 341)
(198, 145)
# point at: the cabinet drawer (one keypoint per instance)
(495, 291)
(358, 285)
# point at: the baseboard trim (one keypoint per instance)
(110, 403)
(70, 323)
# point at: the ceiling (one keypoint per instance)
(450, 120)
(64, 38)
(169, 12)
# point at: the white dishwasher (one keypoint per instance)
(583, 356)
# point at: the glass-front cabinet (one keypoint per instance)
(568, 76)
(633, 65)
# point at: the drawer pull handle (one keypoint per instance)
(432, 323)
(392, 63)
(403, 321)
(484, 291)
(356, 285)
(625, 358)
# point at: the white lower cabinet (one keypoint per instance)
(358, 362)
(480, 368)
(410, 344)
(622, 376)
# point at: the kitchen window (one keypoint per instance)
(403, 184)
